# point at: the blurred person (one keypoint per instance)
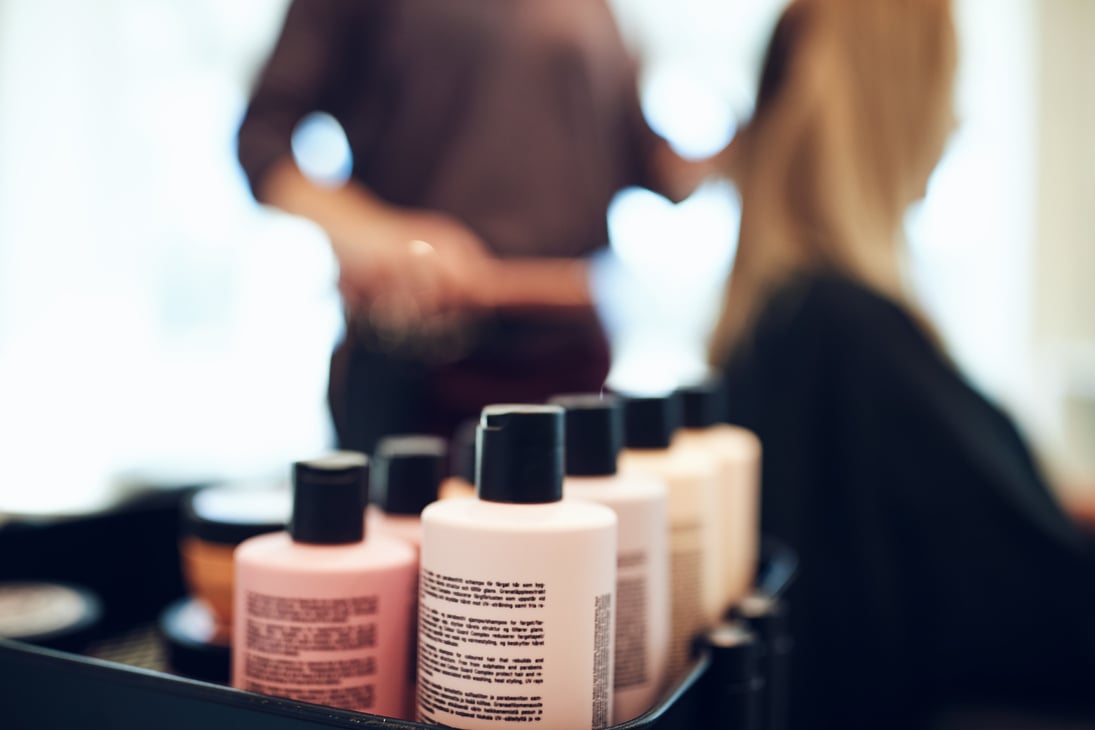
(937, 566)
(488, 139)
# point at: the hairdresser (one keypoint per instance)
(488, 139)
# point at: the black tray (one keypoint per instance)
(130, 558)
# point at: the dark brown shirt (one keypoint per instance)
(519, 117)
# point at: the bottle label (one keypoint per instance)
(602, 669)
(482, 652)
(632, 662)
(497, 655)
(686, 603)
(313, 650)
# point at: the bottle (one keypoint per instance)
(406, 475)
(594, 437)
(516, 620)
(732, 688)
(737, 451)
(694, 546)
(767, 618)
(323, 615)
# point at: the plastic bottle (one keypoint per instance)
(732, 688)
(767, 618)
(594, 438)
(516, 620)
(738, 452)
(405, 477)
(691, 476)
(323, 615)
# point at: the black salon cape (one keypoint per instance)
(935, 565)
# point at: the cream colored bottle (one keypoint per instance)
(323, 615)
(694, 546)
(516, 620)
(738, 453)
(594, 437)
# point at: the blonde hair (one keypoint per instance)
(852, 114)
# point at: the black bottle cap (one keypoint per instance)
(651, 421)
(703, 404)
(594, 427)
(406, 473)
(520, 454)
(328, 508)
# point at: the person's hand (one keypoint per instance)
(397, 266)
(402, 266)
(414, 281)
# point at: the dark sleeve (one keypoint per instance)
(305, 73)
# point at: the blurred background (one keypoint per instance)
(157, 326)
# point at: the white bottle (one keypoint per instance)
(738, 453)
(321, 614)
(516, 620)
(594, 437)
(694, 543)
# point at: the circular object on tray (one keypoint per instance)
(59, 616)
(197, 646)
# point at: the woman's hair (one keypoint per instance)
(852, 112)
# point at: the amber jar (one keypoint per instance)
(214, 521)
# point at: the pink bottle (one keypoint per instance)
(406, 476)
(323, 615)
(407, 472)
